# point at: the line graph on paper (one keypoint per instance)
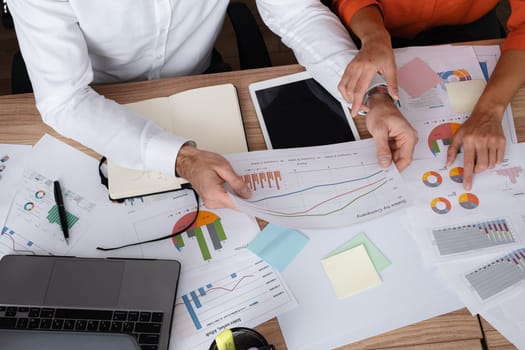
(325, 189)
(243, 291)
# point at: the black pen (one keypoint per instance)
(61, 210)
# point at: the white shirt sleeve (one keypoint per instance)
(316, 35)
(56, 55)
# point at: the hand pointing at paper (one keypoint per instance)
(481, 136)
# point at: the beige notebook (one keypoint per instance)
(210, 116)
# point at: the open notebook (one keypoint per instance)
(210, 116)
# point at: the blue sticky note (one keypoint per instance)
(278, 245)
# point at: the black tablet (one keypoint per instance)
(296, 111)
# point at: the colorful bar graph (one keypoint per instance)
(499, 275)
(468, 237)
(191, 312)
(54, 218)
(205, 219)
(262, 180)
(512, 173)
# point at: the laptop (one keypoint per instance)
(72, 295)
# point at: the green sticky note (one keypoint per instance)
(378, 259)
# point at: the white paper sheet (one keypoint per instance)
(12, 163)
(409, 293)
(319, 187)
(452, 223)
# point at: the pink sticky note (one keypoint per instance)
(416, 77)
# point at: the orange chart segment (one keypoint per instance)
(440, 205)
(456, 174)
(441, 136)
(468, 201)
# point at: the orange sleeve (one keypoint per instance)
(516, 25)
(346, 9)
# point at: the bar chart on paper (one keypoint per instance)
(208, 239)
(205, 219)
(497, 276)
(328, 186)
(473, 236)
(239, 293)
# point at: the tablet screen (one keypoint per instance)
(302, 113)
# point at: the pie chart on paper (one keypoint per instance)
(432, 179)
(440, 205)
(468, 200)
(456, 174)
(441, 136)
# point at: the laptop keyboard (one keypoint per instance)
(145, 326)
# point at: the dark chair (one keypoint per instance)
(250, 44)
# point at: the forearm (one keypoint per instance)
(367, 25)
(507, 78)
(316, 35)
(58, 64)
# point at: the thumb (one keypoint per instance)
(384, 156)
(238, 185)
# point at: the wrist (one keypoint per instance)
(378, 95)
(184, 156)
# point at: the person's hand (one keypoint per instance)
(483, 143)
(207, 172)
(375, 56)
(395, 137)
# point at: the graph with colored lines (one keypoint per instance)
(33, 223)
(471, 236)
(327, 186)
(244, 291)
(499, 275)
(205, 219)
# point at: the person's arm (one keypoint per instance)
(482, 135)
(322, 44)
(56, 56)
(316, 35)
(375, 56)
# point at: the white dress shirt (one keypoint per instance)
(316, 35)
(69, 44)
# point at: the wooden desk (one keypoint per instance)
(20, 123)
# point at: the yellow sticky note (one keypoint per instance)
(351, 271)
(224, 340)
(463, 95)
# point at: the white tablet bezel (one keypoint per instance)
(264, 84)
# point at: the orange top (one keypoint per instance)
(407, 18)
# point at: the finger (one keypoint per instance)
(501, 151)
(405, 156)
(360, 90)
(384, 155)
(347, 83)
(391, 79)
(482, 159)
(453, 149)
(493, 157)
(238, 186)
(219, 199)
(468, 165)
